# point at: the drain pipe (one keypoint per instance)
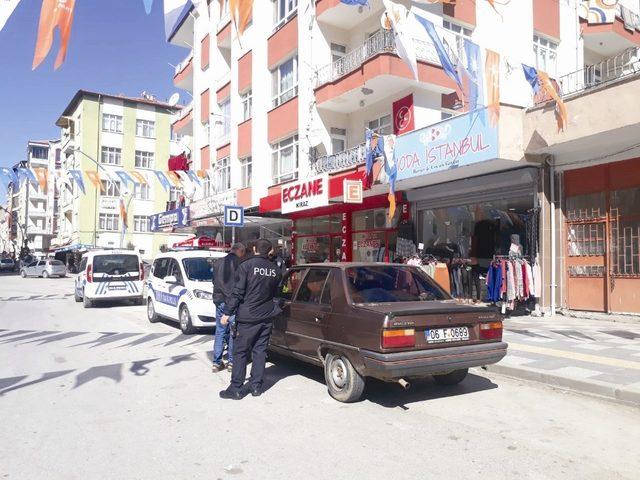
(552, 201)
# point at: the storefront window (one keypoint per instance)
(313, 249)
(374, 219)
(322, 225)
(374, 246)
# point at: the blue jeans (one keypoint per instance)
(223, 336)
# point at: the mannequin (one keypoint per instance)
(516, 247)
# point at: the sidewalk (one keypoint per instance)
(586, 355)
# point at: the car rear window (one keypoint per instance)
(199, 269)
(391, 283)
(57, 263)
(6, 261)
(115, 264)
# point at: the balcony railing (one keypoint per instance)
(339, 161)
(623, 12)
(605, 72)
(183, 64)
(381, 42)
(183, 112)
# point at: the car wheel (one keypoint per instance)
(45, 274)
(23, 274)
(452, 378)
(344, 383)
(87, 302)
(152, 316)
(185, 321)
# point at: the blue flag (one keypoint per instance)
(474, 69)
(447, 65)
(162, 179)
(26, 174)
(192, 175)
(368, 151)
(531, 74)
(355, 2)
(147, 6)
(125, 177)
(77, 177)
(7, 175)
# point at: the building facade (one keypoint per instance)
(105, 133)
(291, 98)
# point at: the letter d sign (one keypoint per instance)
(233, 216)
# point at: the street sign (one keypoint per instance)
(171, 218)
(233, 216)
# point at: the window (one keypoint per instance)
(145, 128)
(545, 52)
(284, 9)
(141, 191)
(245, 172)
(111, 123)
(140, 223)
(285, 81)
(222, 171)
(338, 140)
(41, 153)
(285, 160)
(174, 193)
(116, 264)
(290, 284)
(109, 221)
(381, 125)
(83, 265)
(337, 51)
(198, 269)
(111, 156)
(311, 289)
(225, 112)
(161, 267)
(326, 293)
(110, 188)
(457, 28)
(246, 100)
(174, 269)
(144, 159)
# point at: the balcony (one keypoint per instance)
(346, 17)
(340, 161)
(608, 39)
(183, 77)
(68, 142)
(182, 122)
(340, 84)
(223, 36)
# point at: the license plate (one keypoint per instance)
(117, 287)
(450, 334)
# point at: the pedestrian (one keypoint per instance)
(224, 279)
(252, 302)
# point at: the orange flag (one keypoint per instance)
(41, 174)
(202, 174)
(175, 178)
(241, 12)
(561, 109)
(492, 75)
(392, 205)
(94, 177)
(138, 177)
(54, 13)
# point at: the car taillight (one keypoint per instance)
(89, 273)
(141, 271)
(491, 330)
(405, 337)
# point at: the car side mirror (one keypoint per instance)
(170, 279)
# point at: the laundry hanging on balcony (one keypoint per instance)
(178, 162)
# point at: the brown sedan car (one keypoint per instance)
(386, 321)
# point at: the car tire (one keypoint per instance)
(45, 274)
(185, 321)
(23, 274)
(451, 378)
(77, 297)
(87, 302)
(152, 316)
(344, 383)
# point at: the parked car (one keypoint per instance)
(109, 275)
(7, 265)
(387, 321)
(180, 288)
(44, 268)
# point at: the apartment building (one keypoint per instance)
(105, 133)
(291, 99)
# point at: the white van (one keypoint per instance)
(109, 275)
(180, 288)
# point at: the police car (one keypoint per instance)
(180, 288)
(109, 275)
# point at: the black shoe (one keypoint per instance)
(229, 367)
(217, 367)
(255, 391)
(229, 394)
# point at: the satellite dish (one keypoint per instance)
(174, 99)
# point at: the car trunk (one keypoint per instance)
(436, 324)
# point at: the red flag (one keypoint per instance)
(403, 120)
(54, 13)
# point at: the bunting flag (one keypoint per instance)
(6, 9)
(26, 174)
(41, 174)
(148, 4)
(561, 109)
(476, 84)
(202, 174)
(174, 178)
(54, 13)
(387, 145)
(193, 177)
(492, 75)
(138, 177)
(123, 219)
(10, 176)
(531, 75)
(241, 11)
(172, 11)
(362, 3)
(77, 178)
(162, 179)
(94, 178)
(397, 17)
(447, 65)
(125, 177)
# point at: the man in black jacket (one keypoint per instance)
(252, 302)
(224, 279)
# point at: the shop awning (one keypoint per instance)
(201, 242)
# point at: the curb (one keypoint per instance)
(619, 394)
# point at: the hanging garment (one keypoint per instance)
(537, 280)
(503, 289)
(405, 247)
(441, 276)
(465, 274)
(517, 271)
(531, 285)
(511, 282)
(475, 280)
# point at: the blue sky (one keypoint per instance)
(114, 48)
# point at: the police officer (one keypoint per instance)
(252, 302)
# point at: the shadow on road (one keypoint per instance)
(385, 394)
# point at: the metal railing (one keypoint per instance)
(632, 17)
(339, 161)
(183, 64)
(381, 42)
(183, 112)
(607, 71)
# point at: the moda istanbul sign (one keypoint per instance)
(457, 142)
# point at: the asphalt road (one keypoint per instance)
(102, 394)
